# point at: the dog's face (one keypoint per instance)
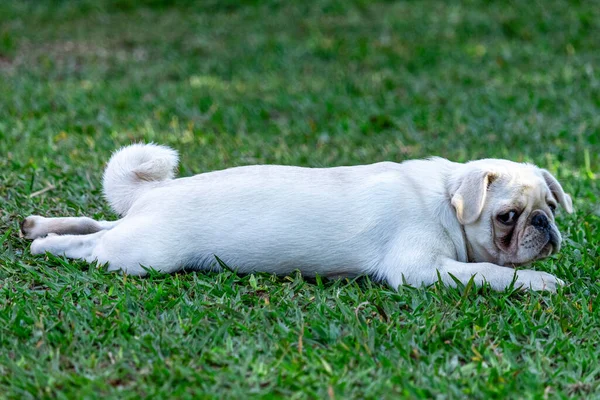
(507, 210)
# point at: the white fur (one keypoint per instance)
(392, 221)
(134, 169)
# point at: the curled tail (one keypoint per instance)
(133, 169)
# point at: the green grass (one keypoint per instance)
(318, 84)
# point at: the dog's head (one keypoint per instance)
(507, 210)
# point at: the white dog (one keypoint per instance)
(403, 223)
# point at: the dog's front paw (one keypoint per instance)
(33, 227)
(538, 281)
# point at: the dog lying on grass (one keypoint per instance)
(414, 222)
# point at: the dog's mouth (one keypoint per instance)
(549, 249)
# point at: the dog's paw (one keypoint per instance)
(538, 281)
(33, 227)
(44, 244)
(39, 246)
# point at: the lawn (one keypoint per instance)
(320, 83)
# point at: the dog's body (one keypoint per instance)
(400, 223)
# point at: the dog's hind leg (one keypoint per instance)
(36, 226)
(91, 248)
(71, 246)
(129, 247)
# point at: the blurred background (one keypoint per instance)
(317, 83)
(313, 83)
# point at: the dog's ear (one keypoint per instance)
(468, 199)
(558, 192)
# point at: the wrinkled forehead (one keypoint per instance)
(527, 187)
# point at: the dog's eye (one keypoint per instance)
(552, 208)
(508, 218)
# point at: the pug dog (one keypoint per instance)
(414, 223)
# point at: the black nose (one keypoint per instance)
(540, 221)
